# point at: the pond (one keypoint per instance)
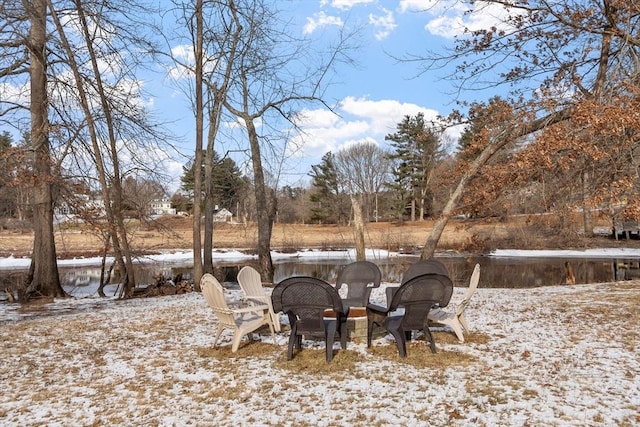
(496, 272)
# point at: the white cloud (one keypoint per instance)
(415, 5)
(455, 21)
(348, 4)
(358, 119)
(316, 118)
(383, 115)
(384, 24)
(450, 18)
(320, 20)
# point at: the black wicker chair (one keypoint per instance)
(417, 296)
(360, 278)
(304, 301)
(424, 266)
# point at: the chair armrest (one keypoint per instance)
(376, 309)
(251, 309)
(390, 292)
(258, 300)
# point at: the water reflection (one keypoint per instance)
(495, 272)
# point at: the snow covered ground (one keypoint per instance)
(548, 356)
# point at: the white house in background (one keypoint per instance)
(222, 215)
(162, 207)
(64, 212)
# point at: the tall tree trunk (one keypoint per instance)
(413, 206)
(43, 278)
(197, 175)
(358, 227)
(586, 210)
(209, 203)
(265, 206)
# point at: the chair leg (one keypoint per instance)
(370, 324)
(237, 337)
(343, 332)
(429, 336)
(463, 322)
(330, 333)
(273, 333)
(401, 343)
(217, 337)
(275, 319)
(293, 339)
(457, 329)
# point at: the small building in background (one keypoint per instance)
(222, 215)
(162, 207)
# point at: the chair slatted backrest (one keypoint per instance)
(360, 277)
(418, 295)
(214, 295)
(473, 285)
(251, 285)
(250, 282)
(306, 298)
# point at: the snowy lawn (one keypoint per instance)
(549, 356)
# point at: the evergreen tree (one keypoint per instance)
(227, 180)
(417, 149)
(7, 200)
(327, 197)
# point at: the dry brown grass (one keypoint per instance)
(461, 235)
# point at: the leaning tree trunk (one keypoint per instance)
(496, 144)
(438, 228)
(43, 278)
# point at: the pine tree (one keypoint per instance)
(417, 149)
(327, 196)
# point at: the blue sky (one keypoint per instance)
(375, 94)
(370, 97)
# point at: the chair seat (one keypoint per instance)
(455, 318)
(440, 315)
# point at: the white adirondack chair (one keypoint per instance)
(455, 319)
(251, 285)
(241, 321)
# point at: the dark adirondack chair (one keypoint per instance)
(360, 278)
(304, 301)
(417, 296)
(423, 266)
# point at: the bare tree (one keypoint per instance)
(214, 31)
(268, 84)
(115, 124)
(363, 169)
